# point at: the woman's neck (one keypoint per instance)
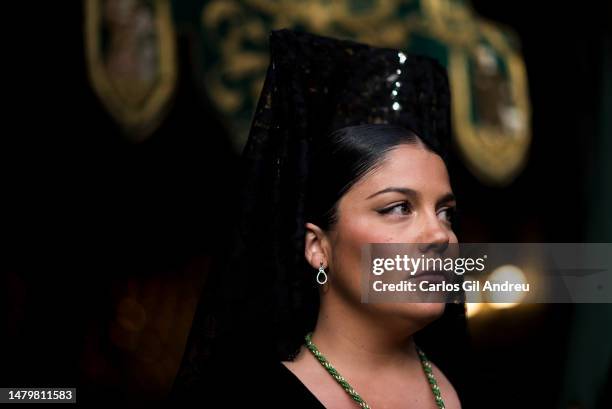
(356, 338)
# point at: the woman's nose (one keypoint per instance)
(434, 236)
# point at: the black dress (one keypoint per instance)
(268, 385)
(290, 392)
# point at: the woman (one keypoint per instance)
(346, 148)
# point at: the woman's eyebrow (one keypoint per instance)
(448, 197)
(404, 190)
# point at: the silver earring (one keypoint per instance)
(321, 280)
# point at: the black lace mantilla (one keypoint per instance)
(262, 288)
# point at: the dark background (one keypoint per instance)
(92, 222)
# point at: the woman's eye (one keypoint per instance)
(448, 214)
(397, 209)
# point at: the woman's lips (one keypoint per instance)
(429, 275)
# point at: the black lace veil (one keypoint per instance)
(261, 294)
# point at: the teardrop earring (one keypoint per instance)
(321, 275)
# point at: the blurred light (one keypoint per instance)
(503, 305)
(473, 308)
(512, 274)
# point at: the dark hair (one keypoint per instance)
(342, 159)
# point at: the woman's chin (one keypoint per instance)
(422, 313)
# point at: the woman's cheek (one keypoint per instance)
(369, 228)
(383, 233)
(350, 244)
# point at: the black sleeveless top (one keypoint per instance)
(269, 385)
(291, 392)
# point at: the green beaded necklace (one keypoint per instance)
(353, 394)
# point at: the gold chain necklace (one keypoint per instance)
(353, 394)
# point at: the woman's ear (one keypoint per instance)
(316, 246)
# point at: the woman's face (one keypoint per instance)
(407, 199)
